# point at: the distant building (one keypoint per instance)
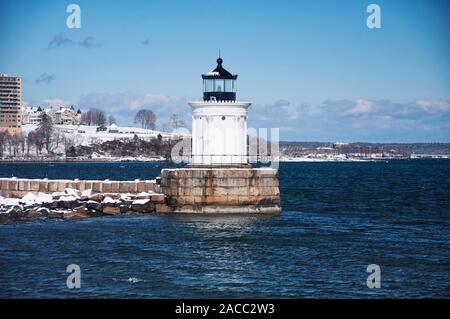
(32, 115)
(67, 116)
(359, 150)
(10, 104)
(113, 128)
(63, 115)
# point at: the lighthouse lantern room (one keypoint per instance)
(219, 122)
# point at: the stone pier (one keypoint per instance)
(19, 187)
(182, 190)
(221, 190)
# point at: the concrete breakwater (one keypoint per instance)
(73, 204)
(22, 199)
(183, 190)
(19, 187)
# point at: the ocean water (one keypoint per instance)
(337, 219)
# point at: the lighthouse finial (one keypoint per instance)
(219, 60)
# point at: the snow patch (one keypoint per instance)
(69, 198)
(109, 200)
(9, 201)
(28, 199)
(87, 193)
(140, 201)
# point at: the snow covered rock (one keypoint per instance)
(28, 199)
(142, 205)
(108, 201)
(72, 192)
(86, 194)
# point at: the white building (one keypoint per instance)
(219, 122)
(67, 116)
(31, 115)
(61, 116)
(113, 128)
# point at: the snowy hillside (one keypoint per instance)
(87, 135)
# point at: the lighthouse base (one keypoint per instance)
(221, 190)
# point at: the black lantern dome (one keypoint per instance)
(219, 84)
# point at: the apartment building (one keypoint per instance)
(10, 104)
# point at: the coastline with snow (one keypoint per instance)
(73, 204)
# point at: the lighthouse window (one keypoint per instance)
(219, 85)
(230, 86)
(227, 86)
(209, 85)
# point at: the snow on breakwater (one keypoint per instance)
(74, 204)
(19, 187)
(70, 199)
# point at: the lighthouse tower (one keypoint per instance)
(219, 122)
(219, 178)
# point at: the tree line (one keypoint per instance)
(95, 117)
(43, 138)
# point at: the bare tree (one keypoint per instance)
(176, 121)
(101, 118)
(68, 143)
(112, 120)
(45, 130)
(93, 117)
(57, 138)
(35, 138)
(29, 142)
(21, 142)
(3, 141)
(146, 118)
(14, 145)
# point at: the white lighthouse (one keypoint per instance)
(219, 122)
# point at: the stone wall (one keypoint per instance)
(222, 190)
(18, 187)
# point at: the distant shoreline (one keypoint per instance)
(90, 160)
(290, 160)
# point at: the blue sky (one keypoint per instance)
(312, 68)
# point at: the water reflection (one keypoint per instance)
(207, 221)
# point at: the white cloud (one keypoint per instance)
(55, 103)
(125, 105)
(362, 106)
(362, 119)
(434, 106)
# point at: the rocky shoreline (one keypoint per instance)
(73, 204)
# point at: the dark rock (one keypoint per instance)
(143, 206)
(80, 209)
(91, 204)
(43, 211)
(124, 208)
(33, 213)
(97, 197)
(108, 210)
(15, 212)
(67, 203)
(93, 213)
(163, 208)
(75, 215)
(55, 214)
